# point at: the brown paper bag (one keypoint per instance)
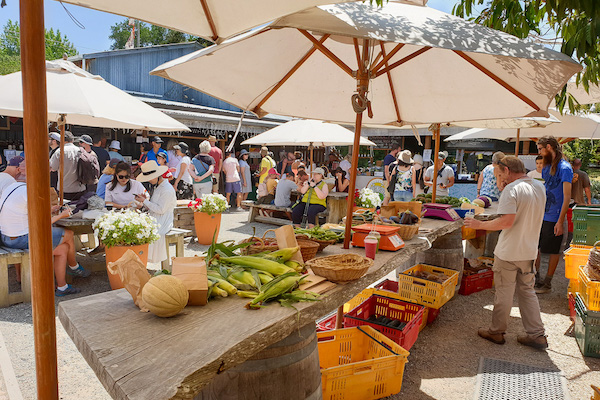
(192, 272)
(133, 274)
(286, 238)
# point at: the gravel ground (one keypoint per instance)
(443, 363)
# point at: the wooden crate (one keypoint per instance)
(183, 217)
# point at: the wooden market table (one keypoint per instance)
(79, 226)
(139, 356)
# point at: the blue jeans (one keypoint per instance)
(403, 195)
(22, 242)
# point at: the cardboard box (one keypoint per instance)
(192, 272)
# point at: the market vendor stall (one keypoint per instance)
(138, 356)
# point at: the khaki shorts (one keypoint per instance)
(216, 177)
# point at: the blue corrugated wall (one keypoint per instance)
(129, 70)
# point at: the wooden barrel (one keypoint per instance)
(446, 252)
(288, 369)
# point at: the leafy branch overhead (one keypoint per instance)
(574, 23)
(150, 35)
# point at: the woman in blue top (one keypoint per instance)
(106, 177)
(488, 185)
(245, 174)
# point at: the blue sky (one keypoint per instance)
(97, 24)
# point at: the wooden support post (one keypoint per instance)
(436, 138)
(61, 168)
(517, 143)
(339, 319)
(35, 117)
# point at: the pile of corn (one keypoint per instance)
(261, 277)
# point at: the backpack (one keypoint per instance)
(88, 168)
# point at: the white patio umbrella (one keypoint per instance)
(582, 126)
(415, 64)
(77, 97)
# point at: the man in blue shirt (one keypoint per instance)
(156, 142)
(390, 158)
(558, 176)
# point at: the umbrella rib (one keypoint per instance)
(389, 76)
(387, 58)
(328, 53)
(402, 61)
(498, 80)
(357, 52)
(289, 74)
(210, 20)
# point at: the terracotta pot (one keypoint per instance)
(206, 225)
(116, 252)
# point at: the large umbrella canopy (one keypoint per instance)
(583, 126)
(307, 133)
(425, 67)
(86, 100)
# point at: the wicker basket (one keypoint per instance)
(322, 243)
(308, 248)
(406, 232)
(260, 244)
(340, 267)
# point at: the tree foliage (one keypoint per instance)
(576, 24)
(150, 35)
(584, 149)
(57, 44)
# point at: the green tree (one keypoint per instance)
(584, 149)
(57, 44)
(574, 24)
(150, 35)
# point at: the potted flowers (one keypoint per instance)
(367, 199)
(125, 230)
(207, 215)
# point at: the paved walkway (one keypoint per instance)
(442, 365)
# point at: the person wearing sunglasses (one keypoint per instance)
(121, 191)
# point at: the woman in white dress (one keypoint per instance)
(161, 204)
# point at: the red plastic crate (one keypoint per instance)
(477, 282)
(572, 307)
(392, 286)
(411, 314)
(327, 324)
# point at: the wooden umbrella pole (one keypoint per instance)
(436, 137)
(61, 168)
(35, 116)
(517, 144)
(311, 147)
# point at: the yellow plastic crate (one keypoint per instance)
(575, 256)
(359, 364)
(424, 292)
(365, 294)
(596, 393)
(589, 290)
(573, 286)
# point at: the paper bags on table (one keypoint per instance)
(133, 274)
(192, 272)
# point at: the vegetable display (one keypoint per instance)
(319, 233)
(426, 198)
(262, 277)
(165, 295)
(405, 218)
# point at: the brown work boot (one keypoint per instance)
(497, 338)
(539, 342)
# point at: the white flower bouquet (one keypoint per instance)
(367, 198)
(209, 203)
(126, 228)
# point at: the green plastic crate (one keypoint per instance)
(587, 329)
(586, 225)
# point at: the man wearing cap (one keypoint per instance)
(86, 143)
(113, 150)
(53, 143)
(445, 178)
(265, 164)
(156, 142)
(72, 188)
(98, 148)
(217, 155)
(9, 175)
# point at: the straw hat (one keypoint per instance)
(404, 156)
(151, 170)
(318, 171)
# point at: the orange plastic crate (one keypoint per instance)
(575, 256)
(589, 290)
(424, 292)
(596, 393)
(359, 364)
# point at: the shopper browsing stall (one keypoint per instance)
(314, 198)
(521, 208)
(201, 169)
(488, 185)
(122, 190)
(445, 177)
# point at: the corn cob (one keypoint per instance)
(264, 278)
(295, 265)
(246, 293)
(244, 277)
(281, 255)
(275, 288)
(217, 291)
(222, 283)
(258, 263)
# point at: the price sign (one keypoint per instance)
(396, 241)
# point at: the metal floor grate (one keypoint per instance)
(503, 380)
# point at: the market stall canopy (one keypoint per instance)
(445, 69)
(86, 100)
(582, 126)
(592, 96)
(306, 132)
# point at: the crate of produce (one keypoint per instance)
(573, 286)
(571, 297)
(477, 282)
(586, 225)
(575, 255)
(589, 290)
(396, 319)
(415, 288)
(359, 364)
(587, 328)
